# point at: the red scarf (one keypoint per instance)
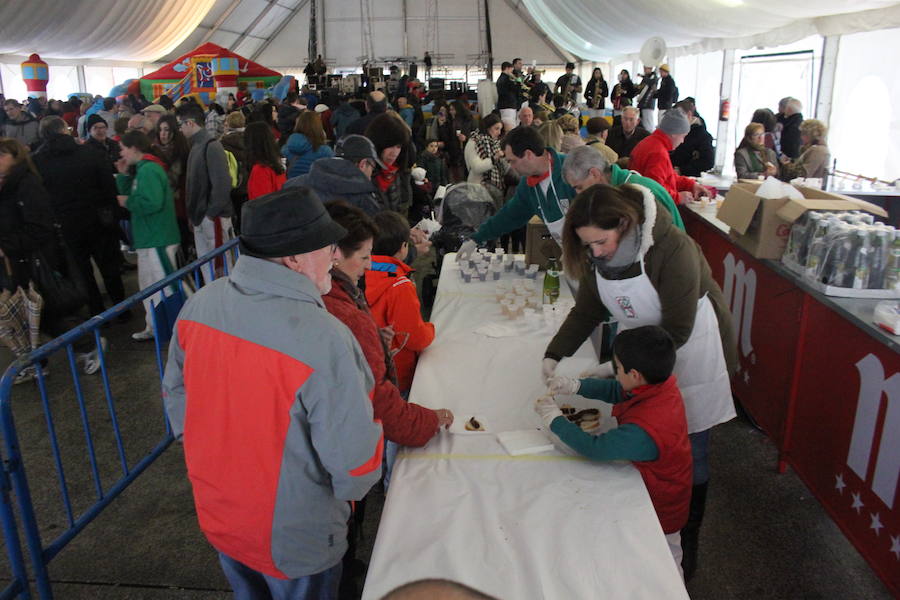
(533, 180)
(386, 177)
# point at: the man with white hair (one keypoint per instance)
(624, 136)
(526, 117)
(585, 166)
(789, 119)
(651, 157)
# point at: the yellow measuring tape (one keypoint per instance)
(523, 457)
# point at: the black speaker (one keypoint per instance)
(436, 83)
(413, 70)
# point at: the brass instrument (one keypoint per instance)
(567, 89)
(595, 100)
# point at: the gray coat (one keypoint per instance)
(25, 129)
(208, 180)
(743, 164)
(270, 395)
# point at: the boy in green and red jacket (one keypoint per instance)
(652, 429)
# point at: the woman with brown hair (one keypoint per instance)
(306, 145)
(571, 137)
(266, 171)
(172, 147)
(636, 267)
(752, 160)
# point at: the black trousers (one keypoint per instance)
(101, 244)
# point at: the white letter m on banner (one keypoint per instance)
(740, 294)
(887, 459)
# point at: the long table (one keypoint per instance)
(823, 381)
(542, 526)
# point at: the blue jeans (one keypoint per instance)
(700, 456)
(253, 585)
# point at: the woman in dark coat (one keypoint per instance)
(597, 86)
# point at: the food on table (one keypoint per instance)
(473, 425)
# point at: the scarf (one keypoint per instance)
(386, 177)
(359, 298)
(487, 148)
(624, 256)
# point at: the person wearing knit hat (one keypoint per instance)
(651, 158)
(256, 357)
(667, 93)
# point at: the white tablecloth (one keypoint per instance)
(545, 526)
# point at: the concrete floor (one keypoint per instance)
(764, 536)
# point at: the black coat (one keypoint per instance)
(696, 153)
(108, 148)
(78, 181)
(287, 119)
(625, 91)
(359, 126)
(26, 222)
(667, 94)
(622, 145)
(790, 134)
(591, 90)
(508, 92)
(648, 99)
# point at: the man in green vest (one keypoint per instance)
(585, 166)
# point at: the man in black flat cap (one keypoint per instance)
(270, 395)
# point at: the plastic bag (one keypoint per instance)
(773, 188)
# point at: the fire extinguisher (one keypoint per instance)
(724, 109)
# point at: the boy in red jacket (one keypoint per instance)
(652, 431)
(392, 296)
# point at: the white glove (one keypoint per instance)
(604, 371)
(548, 368)
(563, 385)
(466, 251)
(547, 409)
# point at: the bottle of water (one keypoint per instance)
(892, 268)
(880, 249)
(815, 256)
(862, 260)
(839, 243)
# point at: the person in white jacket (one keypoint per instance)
(484, 157)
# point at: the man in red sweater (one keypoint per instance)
(651, 158)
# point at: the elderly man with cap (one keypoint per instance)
(346, 176)
(598, 131)
(270, 395)
(651, 158)
(153, 114)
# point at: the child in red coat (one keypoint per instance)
(392, 296)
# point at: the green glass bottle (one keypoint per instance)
(551, 282)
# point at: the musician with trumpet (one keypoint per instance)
(646, 98)
(568, 85)
(596, 91)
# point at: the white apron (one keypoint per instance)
(700, 362)
(555, 227)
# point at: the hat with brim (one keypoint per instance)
(287, 222)
(356, 147)
(157, 108)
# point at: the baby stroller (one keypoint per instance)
(461, 212)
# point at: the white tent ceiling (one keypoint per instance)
(274, 32)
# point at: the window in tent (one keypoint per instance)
(864, 128)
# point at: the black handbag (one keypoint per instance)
(63, 288)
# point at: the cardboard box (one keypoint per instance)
(761, 226)
(539, 245)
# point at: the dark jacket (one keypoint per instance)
(667, 94)
(360, 125)
(340, 179)
(108, 148)
(287, 119)
(696, 153)
(790, 134)
(540, 88)
(208, 180)
(79, 183)
(623, 93)
(26, 222)
(25, 129)
(624, 145)
(592, 89)
(508, 92)
(435, 168)
(342, 117)
(648, 99)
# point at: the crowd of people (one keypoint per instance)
(322, 190)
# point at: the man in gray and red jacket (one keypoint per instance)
(271, 396)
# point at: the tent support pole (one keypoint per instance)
(726, 92)
(825, 95)
(82, 82)
(488, 41)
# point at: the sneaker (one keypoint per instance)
(143, 336)
(90, 361)
(29, 373)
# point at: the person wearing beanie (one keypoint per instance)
(256, 358)
(667, 93)
(651, 158)
(99, 140)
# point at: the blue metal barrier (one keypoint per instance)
(13, 479)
